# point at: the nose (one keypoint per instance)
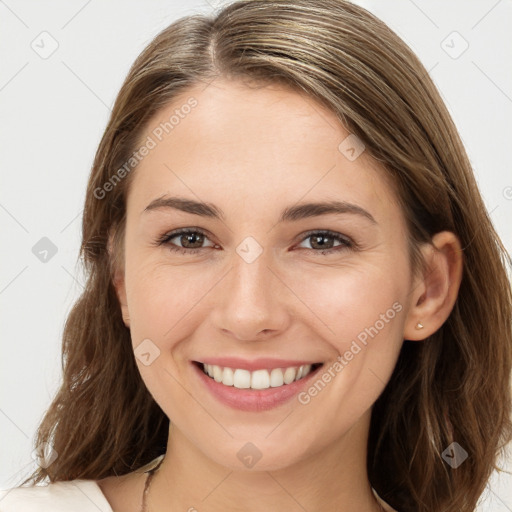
(251, 301)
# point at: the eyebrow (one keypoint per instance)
(289, 214)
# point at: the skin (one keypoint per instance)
(253, 152)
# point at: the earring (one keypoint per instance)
(419, 325)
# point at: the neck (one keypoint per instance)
(333, 479)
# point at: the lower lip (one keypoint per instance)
(255, 400)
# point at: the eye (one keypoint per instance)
(190, 238)
(191, 241)
(322, 242)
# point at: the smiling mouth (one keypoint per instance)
(258, 379)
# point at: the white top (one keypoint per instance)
(69, 496)
(72, 495)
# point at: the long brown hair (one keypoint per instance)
(454, 386)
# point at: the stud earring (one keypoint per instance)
(419, 325)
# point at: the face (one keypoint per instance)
(260, 280)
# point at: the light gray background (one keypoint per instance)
(53, 111)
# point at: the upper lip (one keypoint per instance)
(254, 364)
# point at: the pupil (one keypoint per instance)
(189, 237)
(320, 240)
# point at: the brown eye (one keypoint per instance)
(192, 240)
(327, 242)
(186, 241)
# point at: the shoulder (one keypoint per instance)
(76, 495)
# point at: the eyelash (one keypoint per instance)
(346, 243)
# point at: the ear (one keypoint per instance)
(435, 292)
(119, 282)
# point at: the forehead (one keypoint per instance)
(228, 142)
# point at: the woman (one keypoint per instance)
(296, 299)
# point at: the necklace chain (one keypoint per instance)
(151, 473)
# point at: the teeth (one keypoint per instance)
(242, 379)
(289, 375)
(276, 378)
(259, 379)
(228, 377)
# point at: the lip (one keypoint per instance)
(262, 363)
(253, 400)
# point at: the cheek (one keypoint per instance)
(163, 303)
(160, 297)
(347, 300)
(361, 313)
